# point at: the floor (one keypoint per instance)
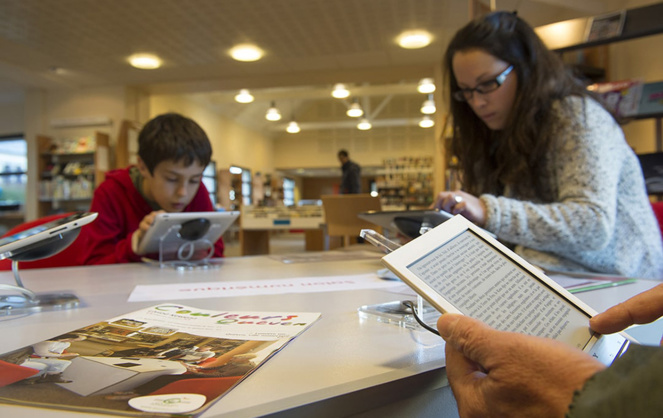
(279, 243)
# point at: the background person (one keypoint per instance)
(173, 151)
(351, 180)
(543, 165)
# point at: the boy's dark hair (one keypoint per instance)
(342, 153)
(173, 137)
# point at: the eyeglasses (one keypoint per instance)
(486, 87)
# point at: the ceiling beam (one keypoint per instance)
(591, 7)
(374, 75)
(349, 124)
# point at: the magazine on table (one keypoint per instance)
(166, 360)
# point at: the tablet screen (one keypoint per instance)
(483, 283)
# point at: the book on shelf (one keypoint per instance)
(651, 102)
(622, 97)
(166, 360)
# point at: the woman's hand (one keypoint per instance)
(460, 202)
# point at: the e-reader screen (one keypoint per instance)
(484, 283)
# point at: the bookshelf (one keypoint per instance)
(70, 170)
(406, 183)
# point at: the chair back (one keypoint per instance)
(341, 214)
(658, 211)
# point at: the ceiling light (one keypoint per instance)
(246, 53)
(364, 125)
(426, 85)
(293, 127)
(426, 122)
(355, 111)
(428, 107)
(244, 96)
(273, 113)
(414, 39)
(340, 92)
(145, 61)
(235, 170)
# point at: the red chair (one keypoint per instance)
(65, 258)
(210, 387)
(10, 373)
(658, 211)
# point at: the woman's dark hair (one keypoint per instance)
(173, 137)
(490, 160)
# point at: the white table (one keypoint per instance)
(342, 365)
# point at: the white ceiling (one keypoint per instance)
(309, 44)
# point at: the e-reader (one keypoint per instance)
(459, 268)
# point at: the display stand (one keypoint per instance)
(182, 250)
(398, 312)
(28, 301)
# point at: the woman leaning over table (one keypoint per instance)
(543, 165)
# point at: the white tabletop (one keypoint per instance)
(341, 365)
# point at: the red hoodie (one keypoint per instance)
(107, 240)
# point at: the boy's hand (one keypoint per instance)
(144, 225)
(502, 374)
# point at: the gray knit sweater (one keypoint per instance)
(600, 218)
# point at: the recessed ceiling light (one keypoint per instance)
(246, 53)
(145, 61)
(413, 39)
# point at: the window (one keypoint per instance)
(13, 172)
(288, 192)
(210, 181)
(247, 186)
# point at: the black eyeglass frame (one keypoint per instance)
(488, 86)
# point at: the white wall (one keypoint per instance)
(231, 142)
(368, 148)
(11, 118)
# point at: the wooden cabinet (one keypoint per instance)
(70, 170)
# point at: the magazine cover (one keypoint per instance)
(164, 360)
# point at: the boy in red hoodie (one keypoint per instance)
(173, 151)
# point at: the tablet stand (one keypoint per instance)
(396, 312)
(28, 301)
(180, 253)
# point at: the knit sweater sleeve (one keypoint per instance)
(583, 168)
(628, 388)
